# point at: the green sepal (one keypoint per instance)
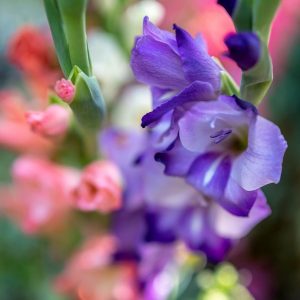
(88, 104)
(54, 99)
(257, 81)
(257, 16)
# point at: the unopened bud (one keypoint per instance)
(65, 89)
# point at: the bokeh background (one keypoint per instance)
(270, 254)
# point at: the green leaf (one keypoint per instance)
(57, 30)
(73, 14)
(68, 26)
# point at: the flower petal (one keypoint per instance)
(197, 91)
(234, 227)
(236, 200)
(197, 233)
(177, 160)
(261, 163)
(197, 64)
(159, 35)
(156, 64)
(209, 174)
(162, 225)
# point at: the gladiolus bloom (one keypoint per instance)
(39, 199)
(99, 188)
(53, 122)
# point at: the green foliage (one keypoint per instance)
(67, 22)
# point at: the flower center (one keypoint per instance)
(237, 142)
(220, 135)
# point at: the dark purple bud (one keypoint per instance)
(243, 48)
(229, 5)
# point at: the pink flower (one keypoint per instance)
(13, 123)
(65, 90)
(31, 50)
(39, 199)
(99, 188)
(52, 122)
(92, 275)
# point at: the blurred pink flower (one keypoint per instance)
(99, 189)
(65, 90)
(31, 50)
(91, 274)
(39, 198)
(15, 133)
(51, 123)
(284, 30)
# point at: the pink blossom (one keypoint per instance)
(99, 188)
(65, 90)
(92, 275)
(52, 122)
(31, 50)
(13, 122)
(39, 199)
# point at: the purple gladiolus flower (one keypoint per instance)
(244, 48)
(177, 67)
(169, 208)
(229, 5)
(227, 152)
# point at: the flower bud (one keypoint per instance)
(65, 90)
(99, 188)
(52, 122)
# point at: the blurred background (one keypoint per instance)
(269, 258)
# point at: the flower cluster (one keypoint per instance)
(146, 203)
(219, 146)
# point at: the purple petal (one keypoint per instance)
(166, 190)
(209, 174)
(244, 48)
(162, 225)
(197, 91)
(156, 64)
(159, 35)
(206, 118)
(234, 227)
(197, 64)
(129, 228)
(236, 200)
(229, 5)
(197, 233)
(177, 160)
(261, 162)
(192, 227)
